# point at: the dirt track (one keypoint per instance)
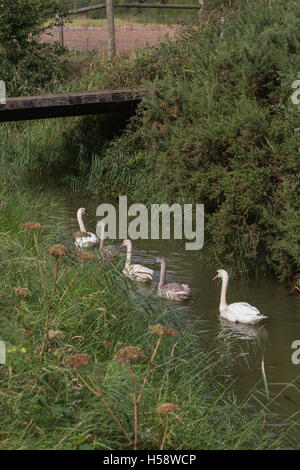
(127, 37)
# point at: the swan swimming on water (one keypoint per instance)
(173, 290)
(239, 312)
(135, 271)
(84, 239)
(107, 251)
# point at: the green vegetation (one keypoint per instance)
(26, 63)
(217, 127)
(63, 310)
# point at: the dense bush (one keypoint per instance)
(220, 129)
(26, 63)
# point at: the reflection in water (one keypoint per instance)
(242, 331)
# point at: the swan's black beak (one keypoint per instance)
(215, 277)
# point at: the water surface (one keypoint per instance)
(248, 344)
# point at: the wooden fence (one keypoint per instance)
(110, 5)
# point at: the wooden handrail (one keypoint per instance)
(136, 5)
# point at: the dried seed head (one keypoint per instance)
(167, 408)
(86, 256)
(169, 332)
(129, 355)
(78, 360)
(22, 291)
(57, 251)
(54, 334)
(80, 235)
(160, 330)
(32, 226)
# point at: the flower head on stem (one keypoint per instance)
(57, 251)
(129, 354)
(78, 360)
(166, 409)
(30, 226)
(160, 330)
(86, 256)
(22, 291)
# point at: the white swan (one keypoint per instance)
(135, 271)
(238, 312)
(84, 239)
(107, 251)
(173, 290)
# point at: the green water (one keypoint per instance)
(247, 344)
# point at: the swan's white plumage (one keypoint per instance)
(83, 242)
(241, 312)
(238, 312)
(87, 239)
(136, 272)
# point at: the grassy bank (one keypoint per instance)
(85, 308)
(216, 127)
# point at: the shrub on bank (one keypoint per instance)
(27, 64)
(221, 129)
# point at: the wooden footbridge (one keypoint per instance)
(87, 102)
(70, 104)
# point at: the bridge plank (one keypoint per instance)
(70, 104)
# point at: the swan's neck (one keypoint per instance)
(162, 279)
(223, 302)
(128, 255)
(80, 222)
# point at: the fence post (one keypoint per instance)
(60, 28)
(111, 46)
(201, 2)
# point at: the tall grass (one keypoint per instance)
(94, 311)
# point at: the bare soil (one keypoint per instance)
(128, 37)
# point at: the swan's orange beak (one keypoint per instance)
(216, 277)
